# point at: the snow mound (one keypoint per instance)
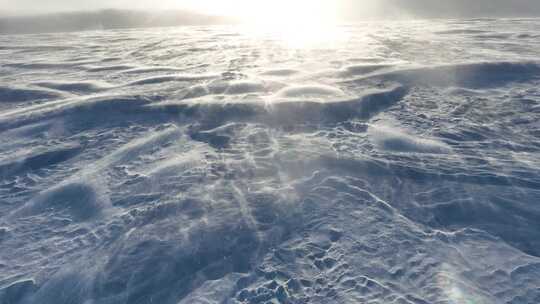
(306, 107)
(37, 160)
(470, 75)
(169, 78)
(244, 87)
(395, 140)
(310, 91)
(81, 201)
(9, 95)
(75, 87)
(280, 72)
(365, 69)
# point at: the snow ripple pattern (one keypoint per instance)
(205, 165)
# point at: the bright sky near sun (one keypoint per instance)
(249, 10)
(299, 23)
(228, 7)
(265, 9)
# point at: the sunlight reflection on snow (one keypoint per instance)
(300, 36)
(454, 288)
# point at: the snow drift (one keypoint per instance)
(203, 165)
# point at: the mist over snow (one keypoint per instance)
(349, 8)
(454, 8)
(226, 152)
(31, 16)
(104, 20)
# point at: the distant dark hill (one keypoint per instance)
(103, 19)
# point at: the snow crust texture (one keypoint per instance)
(400, 164)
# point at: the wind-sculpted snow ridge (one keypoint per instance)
(209, 165)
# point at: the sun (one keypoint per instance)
(273, 12)
(299, 23)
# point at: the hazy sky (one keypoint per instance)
(348, 7)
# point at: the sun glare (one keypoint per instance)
(299, 23)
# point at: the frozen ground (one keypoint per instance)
(397, 164)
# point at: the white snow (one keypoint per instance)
(208, 165)
(392, 139)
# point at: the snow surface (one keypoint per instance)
(209, 165)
